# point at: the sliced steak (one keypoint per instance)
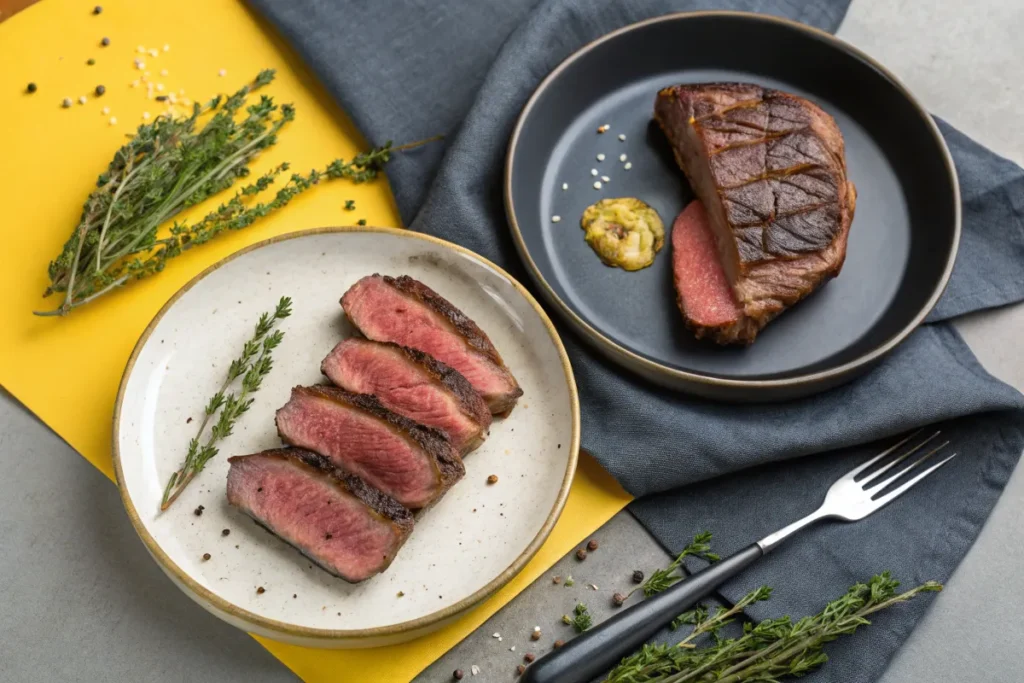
(770, 170)
(407, 312)
(413, 384)
(336, 520)
(413, 464)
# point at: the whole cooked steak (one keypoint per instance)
(769, 169)
(351, 530)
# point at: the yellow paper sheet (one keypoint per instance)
(66, 370)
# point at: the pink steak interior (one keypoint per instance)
(704, 291)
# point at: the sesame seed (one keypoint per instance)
(555, 219)
(145, 115)
(565, 186)
(600, 157)
(187, 102)
(622, 137)
(181, 91)
(145, 75)
(113, 120)
(222, 72)
(622, 157)
(160, 87)
(605, 179)
(135, 83)
(597, 184)
(139, 64)
(153, 52)
(141, 50)
(172, 98)
(106, 110)
(629, 165)
(536, 629)
(82, 99)
(167, 48)
(163, 72)
(593, 172)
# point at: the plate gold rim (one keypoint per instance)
(675, 376)
(438, 617)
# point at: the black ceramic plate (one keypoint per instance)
(902, 242)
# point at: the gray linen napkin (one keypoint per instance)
(408, 69)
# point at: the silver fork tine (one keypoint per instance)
(860, 468)
(876, 474)
(909, 467)
(896, 492)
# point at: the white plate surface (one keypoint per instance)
(461, 550)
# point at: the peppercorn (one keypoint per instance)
(493, 479)
(638, 576)
(457, 674)
(581, 554)
(105, 41)
(199, 511)
(529, 657)
(618, 599)
(592, 546)
(206, 556)
(261, 590)
(100, 90)
(31, 87)
(556, 580)
(90, 61)
(558, 644)
(97, 10)
(520, 670)
(535, 634)
(161, 98)
(225, 532)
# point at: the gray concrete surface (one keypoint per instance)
(80, 599)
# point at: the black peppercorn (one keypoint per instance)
(592, 546)
(199, 511)
(225, 532)
(520, 670)
(457, 674)
(558, 644)
(100, 90)
(31, 87)
(97, 10)
(581, 554)
(206, 556)
(261, 590)
(638, 576)
(529, 657)
(105, 41)
(618, 599)
(90, 61)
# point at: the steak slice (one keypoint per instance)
(407, 312)
(413, 464)
(770, 170)
(336, 520)
(412, 384)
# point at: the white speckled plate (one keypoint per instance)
(461, 551)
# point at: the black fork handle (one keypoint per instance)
(594, 652)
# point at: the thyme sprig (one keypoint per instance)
(580, 619)
(172, 164)
(252, 365)
(662, 579)
(766, 651)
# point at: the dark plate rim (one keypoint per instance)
(675, 376)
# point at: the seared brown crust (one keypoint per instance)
(433, 441)
(381, 503)
(465, 326)
(472, 404)
(771, 169)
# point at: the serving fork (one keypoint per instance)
(852, 497)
